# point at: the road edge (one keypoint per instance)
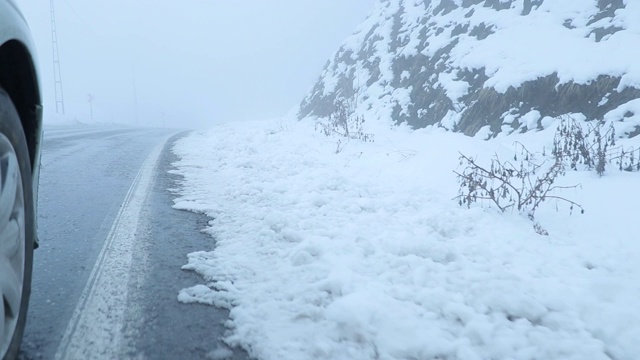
(95, 328)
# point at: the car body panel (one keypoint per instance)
(13, 25)
(14, 28)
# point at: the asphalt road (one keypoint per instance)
(107, 273)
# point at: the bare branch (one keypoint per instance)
(508, 186)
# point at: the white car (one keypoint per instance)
(20, 136)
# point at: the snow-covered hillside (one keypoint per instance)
(488, 65)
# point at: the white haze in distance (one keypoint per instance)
(187, 64)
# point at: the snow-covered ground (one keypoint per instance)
(54, 119)
(363, 254)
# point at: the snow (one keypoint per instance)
(455, 89)
(220, 354)
(523, 48)
(557, 38)
(363, 254)
(530, 119)
(626, 116)
(55, 119)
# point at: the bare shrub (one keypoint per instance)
(344, 123)
(592, 148)
(521, 186)
(626, 159)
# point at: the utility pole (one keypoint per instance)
(57, 75)
(90, 100)
(135, 98)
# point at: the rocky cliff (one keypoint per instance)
(482, 67)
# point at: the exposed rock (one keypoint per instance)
(497, 65)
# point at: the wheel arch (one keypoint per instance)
(18, 77)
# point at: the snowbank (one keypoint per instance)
(364, 255)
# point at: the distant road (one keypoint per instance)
(107, 273)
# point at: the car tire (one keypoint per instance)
(17, 232)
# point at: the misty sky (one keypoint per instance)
(188, 63)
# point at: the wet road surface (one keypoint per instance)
(107, 273)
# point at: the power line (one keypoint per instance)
(84, 23)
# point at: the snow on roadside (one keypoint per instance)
(364, 255)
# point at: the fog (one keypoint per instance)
(187, 64)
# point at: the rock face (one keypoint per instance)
(488, 66)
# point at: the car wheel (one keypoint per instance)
(16, 229)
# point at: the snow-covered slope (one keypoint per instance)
(491, 65)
